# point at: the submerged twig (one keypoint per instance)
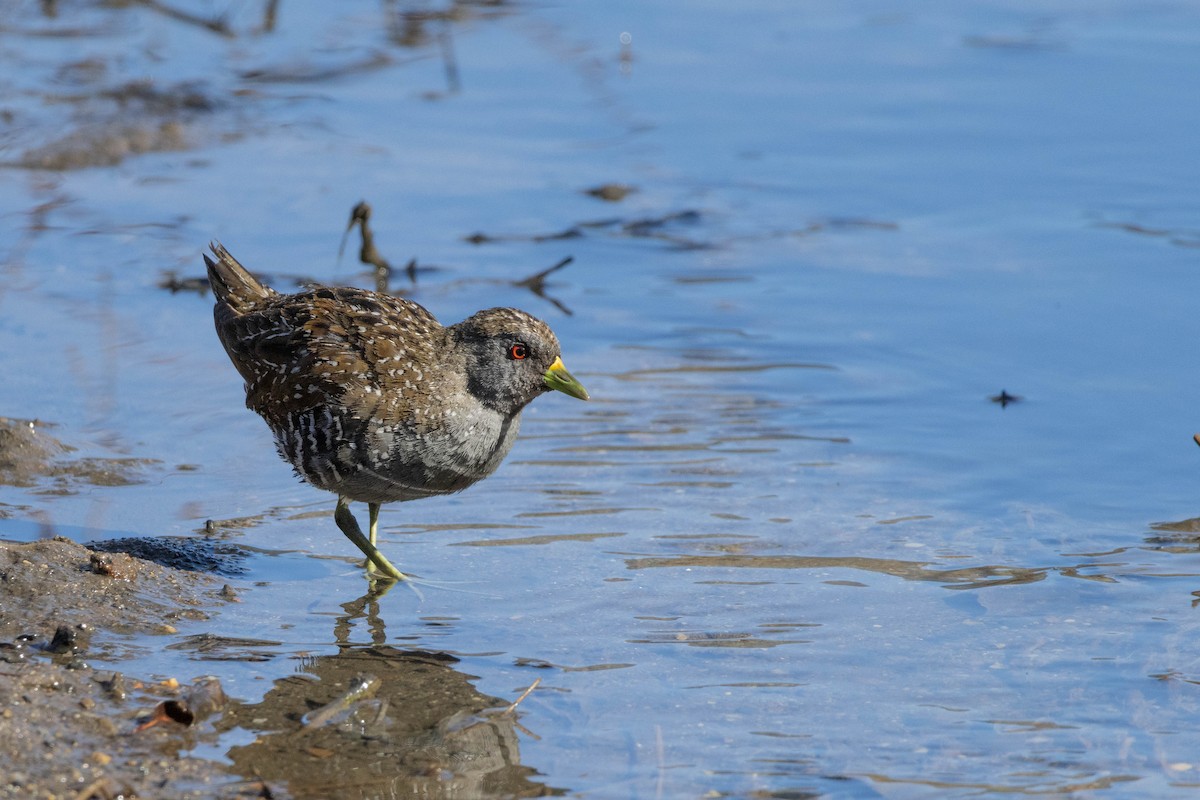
(175, 284)
(270, 14)
(217, 25)
(304, 72)
(1004, 399)
(524, 694)
(362, 687)
(368, 254)
(536, 283)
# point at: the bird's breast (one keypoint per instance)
(389, 457)
(447, 454)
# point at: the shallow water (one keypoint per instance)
(791, 546)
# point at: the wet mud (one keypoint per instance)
(859, 508)
(68, 723)
(383, 722)
(366, 721)
(99, 122)
(31, 457)
(112, 124)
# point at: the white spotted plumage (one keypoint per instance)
(368, 396)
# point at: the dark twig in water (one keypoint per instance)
(536, 283)
(524, 694)
(217, 25)
(360, 215)
(409, 29)
(175, 284)
(362, 687)
(1005, 399)
(659, 227)
(1180, 237)
(568, 233)
(368, 254)
(310, 73)
(572, 232)
(270, 14)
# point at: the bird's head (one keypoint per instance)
(511, 358)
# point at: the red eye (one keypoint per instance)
(518, 351)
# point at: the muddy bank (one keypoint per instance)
(383, 722)
(364, 721)
(68, 721)
(30, 457)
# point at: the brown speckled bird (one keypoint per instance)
(371, 399)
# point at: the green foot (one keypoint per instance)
(349, 525)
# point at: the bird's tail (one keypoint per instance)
(232, 284)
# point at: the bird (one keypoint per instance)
(368, 396)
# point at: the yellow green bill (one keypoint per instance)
(558, 379)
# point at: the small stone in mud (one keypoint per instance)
(202, 699)
(66, 640)
(11, 653)
(114, 565)
(229, 594)
(114, 687)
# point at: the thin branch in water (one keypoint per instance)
(536, 283)
(217, 25)
(270, 15)
(360, 215)
(512, 708)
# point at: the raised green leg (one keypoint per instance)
(349, 525)
(373, 510)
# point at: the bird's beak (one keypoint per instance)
(558, 379)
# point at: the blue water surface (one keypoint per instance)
(791, 546)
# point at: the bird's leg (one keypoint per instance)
(349, 525)
(388, 582)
